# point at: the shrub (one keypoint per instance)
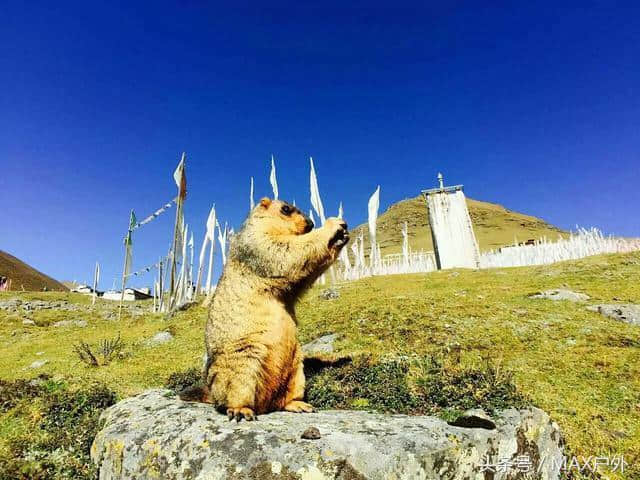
(362, 384)
(412, 385)
(179, 381)
(451, 391)
(57, 444)
(12, 392)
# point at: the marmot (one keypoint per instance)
(254, 361)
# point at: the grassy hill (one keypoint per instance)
(23, 275)
(484, 331)
(494, 226)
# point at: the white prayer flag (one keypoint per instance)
(316, 201)
(180, 177)
(190, 245)
(405, 243)
(222, 239)
(374, 205)
(211, 223)
(252, 202)
(273, 179)
(96, 280)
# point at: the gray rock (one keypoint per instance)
(16, 304)
(38, 364)
(156, 435)
(320, 345)
(329, 294)
(627, 313)
(159, 338)
(71, 323)
(562, 294)
(11, 304)
(28, 322)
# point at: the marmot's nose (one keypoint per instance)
(309, 226)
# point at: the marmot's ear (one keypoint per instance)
(265, 202)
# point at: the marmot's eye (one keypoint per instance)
(286, 210)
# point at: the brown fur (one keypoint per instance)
(254, 361)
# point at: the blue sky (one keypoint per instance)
(535, 106)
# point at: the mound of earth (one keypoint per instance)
(26, 277)
(494, 226)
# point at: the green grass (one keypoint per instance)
(412, 385)
(47, 428)
(492, 345)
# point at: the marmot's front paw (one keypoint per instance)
(297, 406)
(340, 235)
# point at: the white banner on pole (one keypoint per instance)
(316, 201)
(373, 206)
(273, 179)
(252, 202)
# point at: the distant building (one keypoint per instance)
(531, 241)
(130, 294)
(85, 290)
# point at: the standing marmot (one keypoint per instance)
(254, 360)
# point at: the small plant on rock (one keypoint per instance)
(179, 381)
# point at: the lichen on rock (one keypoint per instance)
(156, 435)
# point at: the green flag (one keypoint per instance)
(133, 221)
(128, 241)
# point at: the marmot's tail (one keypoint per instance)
(193, 394)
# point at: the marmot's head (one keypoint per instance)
(277, 216)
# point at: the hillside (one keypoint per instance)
(494, 226)
(23, 275)
(485, 334)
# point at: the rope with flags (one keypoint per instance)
(155, 214)
(177, 253)
(149, 267)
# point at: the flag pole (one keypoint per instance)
(178, 176)
(190, 277)
(124, 269)
(160, 286)
(127, 259)
(96, 279)
(203, 252)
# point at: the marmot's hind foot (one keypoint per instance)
(240, 413)
(297, 406)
